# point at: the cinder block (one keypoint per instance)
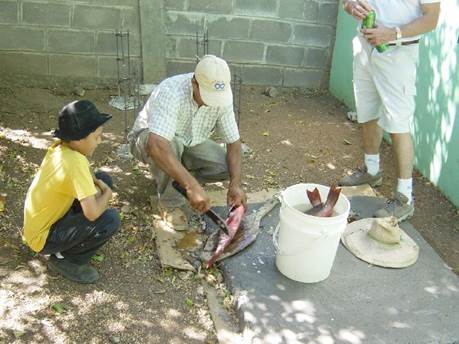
(113, 3)
(21, 38)
(256, 75)
(311, 10)
(283, 55)
(171, 47)
(328, 13)
(8, 12)
(106, 44)
(187, 48)
(183, 23)
(318, 58)
(232, 28)
(215, 47)
(220, 6)
(106, 67)
(23, 63)
(236, 71)
(130, 21)
(46, 14)
(64, 41)
(94, 17)
(175, 67)
(310, 35)
(257, 8)
(174, 4)
(291, 9)
(303, 78)
(271, 31)
(243, 51)
(73, 65)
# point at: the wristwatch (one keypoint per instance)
(398, 36)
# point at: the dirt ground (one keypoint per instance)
(295, 137)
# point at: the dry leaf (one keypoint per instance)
(2, 202)
(286, 142)
(331, 166)
(58, 308)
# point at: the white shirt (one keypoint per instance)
(171, 112)
(392, 13)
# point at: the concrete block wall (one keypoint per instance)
(65, 38)
(268, 42)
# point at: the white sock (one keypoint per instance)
(59, 255)
(372, 163)
(405, 187)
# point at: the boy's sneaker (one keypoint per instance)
(398, 207)
(361, 176)
(74, 272)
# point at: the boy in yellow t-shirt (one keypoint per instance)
(66, 210)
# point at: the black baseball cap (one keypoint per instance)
(78, 119)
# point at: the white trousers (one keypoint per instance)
(385, 84)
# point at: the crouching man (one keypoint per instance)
(172, 132)
(66, 212)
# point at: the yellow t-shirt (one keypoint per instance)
(64, 176)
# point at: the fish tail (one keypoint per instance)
(314, 197)
(333, 196)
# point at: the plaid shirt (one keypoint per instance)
(171, 112)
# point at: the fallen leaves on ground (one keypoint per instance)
(99, 257)
(58, 308)
(2, 202)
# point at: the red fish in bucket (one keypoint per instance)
(233, 223)
(320, 209)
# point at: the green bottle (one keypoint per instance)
(369, 23)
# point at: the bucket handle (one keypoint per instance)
(318, 237)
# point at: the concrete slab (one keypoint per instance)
(358, 303)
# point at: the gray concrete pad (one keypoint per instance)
(358, 303)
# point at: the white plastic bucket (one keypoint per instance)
(306, 245)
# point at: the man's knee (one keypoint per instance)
(215, 171)
(221, 170)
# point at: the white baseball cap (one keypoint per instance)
(214, 78)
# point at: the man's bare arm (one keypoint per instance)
(236, 195)
(425, 23)
(233, 158)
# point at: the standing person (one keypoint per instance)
(384, 89)
(66, 210)
(172, 132)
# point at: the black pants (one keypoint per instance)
(77, 238)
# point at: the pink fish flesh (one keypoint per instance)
(233, 222)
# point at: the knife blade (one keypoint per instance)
(210, 213)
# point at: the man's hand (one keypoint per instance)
(198, 198)
(379, 35)
(357, 8)
(236, 196)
